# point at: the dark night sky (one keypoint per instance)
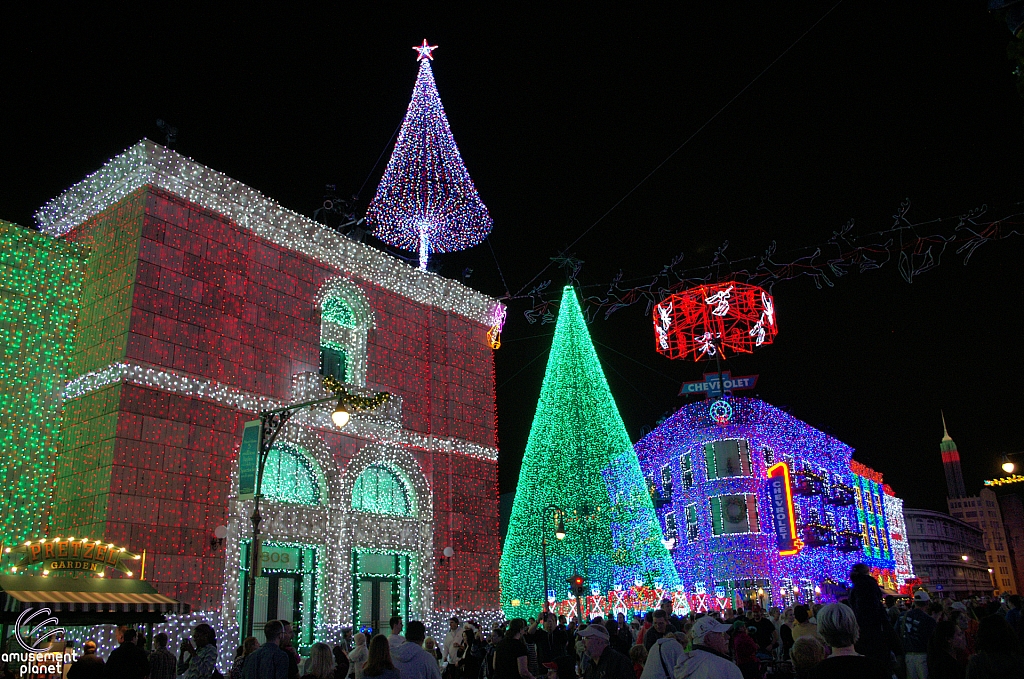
(557, 117)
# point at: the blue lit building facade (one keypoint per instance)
(709, 479)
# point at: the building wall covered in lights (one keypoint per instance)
(204, 302)
(39, 286)
(739, 536)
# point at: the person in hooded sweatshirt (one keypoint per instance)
(662, 658)
(709, 658)
(998, 653)
(412, 660)
(876, 632)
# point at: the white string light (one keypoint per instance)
(148, 163)
(381, 426)
(904, 569)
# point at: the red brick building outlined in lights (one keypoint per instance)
(204, 302)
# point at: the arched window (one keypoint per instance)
(345, 319)
(337, 310)
(289, 476)
(379, 490)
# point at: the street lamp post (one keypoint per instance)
(560, 535)
(271, 424)
(1006, 464)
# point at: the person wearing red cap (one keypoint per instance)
(562, 667)
(605, 662)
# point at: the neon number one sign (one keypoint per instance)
(780, 494)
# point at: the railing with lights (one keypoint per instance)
(818, 535)
(808, 483)
(842, 495)
(850, 541)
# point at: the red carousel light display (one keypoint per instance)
(711, 319)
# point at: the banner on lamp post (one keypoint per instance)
(248, 459)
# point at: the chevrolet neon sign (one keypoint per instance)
(780, 494)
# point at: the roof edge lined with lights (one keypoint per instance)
(148, 163)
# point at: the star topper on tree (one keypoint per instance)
(425, 50)
(426, 201)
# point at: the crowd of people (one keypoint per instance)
(866, 635)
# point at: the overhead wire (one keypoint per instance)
(383, 151)
(680, 147)
(532, 361)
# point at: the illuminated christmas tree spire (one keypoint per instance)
(426, 201)
(580, 460)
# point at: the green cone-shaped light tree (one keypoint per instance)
(579, 466)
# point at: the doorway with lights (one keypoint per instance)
(381, 590)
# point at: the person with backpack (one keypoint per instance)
(662, 658)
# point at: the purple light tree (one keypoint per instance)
(426, 201)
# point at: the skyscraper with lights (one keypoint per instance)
(951, 464)
(981, 511)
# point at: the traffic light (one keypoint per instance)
(576, 585)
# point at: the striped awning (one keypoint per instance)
(84, 595)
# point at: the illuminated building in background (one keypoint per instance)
(716, 491)
(949, 554)
(951, 465)
(903, 563)
(872, 518)
(204, 302)
(981, 511)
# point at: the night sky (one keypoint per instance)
(558, 116)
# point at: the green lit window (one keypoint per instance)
(334, 362)
(290, 477)
(692, 529)
(686, 467)
(379, 490)
(734, 514)
(337, 310)
(730, 457)
(671, 530)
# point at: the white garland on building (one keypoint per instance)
(148, 163)
(378, 427)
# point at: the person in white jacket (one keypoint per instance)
(662, 659)
(411, 659)
(449, 639)
(709, 658)
(357, 656)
